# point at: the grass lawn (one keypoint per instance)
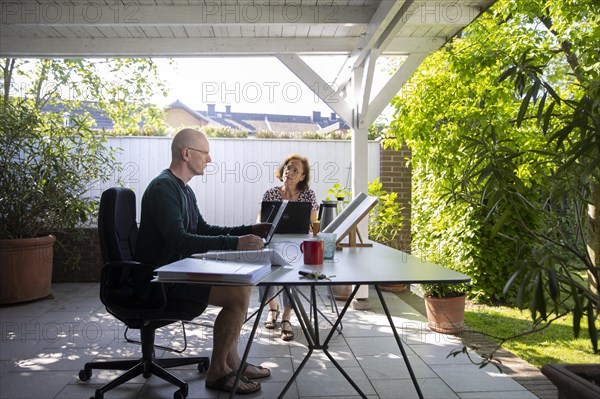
(555, 344)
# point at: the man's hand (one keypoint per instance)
(250, 241)
(261, 229)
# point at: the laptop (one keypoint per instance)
(276, 220)
(295, 219)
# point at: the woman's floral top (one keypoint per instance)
(273, 194)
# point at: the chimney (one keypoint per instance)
(228, 110)
(316, 117)
(211, 109)
(333, 116)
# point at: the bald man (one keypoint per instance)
(171, 228)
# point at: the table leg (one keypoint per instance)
(268, 300)
(303, 318)
(334, 307)
(240, 371)
(325, 347)
(312, 335)
(307, 330)
(399, 342)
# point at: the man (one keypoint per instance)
(171, 228)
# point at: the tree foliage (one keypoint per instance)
(503, 125)
(121, 88)
(48, 172)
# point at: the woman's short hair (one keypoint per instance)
(302, 185)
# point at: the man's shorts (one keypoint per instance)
(191, 298)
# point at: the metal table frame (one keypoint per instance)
(347, 272)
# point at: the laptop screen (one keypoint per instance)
(295, 219)
(276, 220)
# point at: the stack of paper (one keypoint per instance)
(255, 256)
(230, 267)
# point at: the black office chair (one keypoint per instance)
(128, 294)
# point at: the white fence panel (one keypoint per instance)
(231, 189)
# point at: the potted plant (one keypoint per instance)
(46, 171)
(445, 306)
(575, 381)
(341, 195)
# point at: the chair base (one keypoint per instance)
(147, 368)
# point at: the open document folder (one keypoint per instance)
(231, 267)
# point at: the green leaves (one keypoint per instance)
(118, 87)
(46, 170)
(386, 219)
(504, 126)
(338, 192)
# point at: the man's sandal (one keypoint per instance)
(272, 318)
(225, 384)
(265, 372)
(286, 334)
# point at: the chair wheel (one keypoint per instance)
(85, 375)
(203, 366)
(180, 394)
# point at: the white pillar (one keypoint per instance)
(360, 184)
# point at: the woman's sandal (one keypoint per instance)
(270, 323)
(286, 334)
(225, 384)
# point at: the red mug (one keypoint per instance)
(313, 251)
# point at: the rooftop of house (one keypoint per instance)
(257, 122)
(103, 122)
(242, 121)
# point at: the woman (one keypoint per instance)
(295, 175)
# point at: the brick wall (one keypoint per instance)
(77, 257)
(395, 176)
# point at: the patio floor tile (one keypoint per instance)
(44, 344)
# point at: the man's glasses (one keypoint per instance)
(201, 151)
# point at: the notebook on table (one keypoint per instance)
(294, 220)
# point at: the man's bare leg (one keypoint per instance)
(228, 324)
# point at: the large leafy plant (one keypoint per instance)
(50, 159)
(504, 128)
(47, 171)
(385, 219)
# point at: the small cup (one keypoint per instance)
(313, 251)
(329, 240)
(315, 228)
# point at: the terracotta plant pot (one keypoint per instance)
(574, 381)
(341, 292)
(395, 288)
(446, 315)
(26, 269)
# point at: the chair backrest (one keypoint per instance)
(117, 227)
(126, 287)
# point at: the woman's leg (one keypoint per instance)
(273, 306)
(287, 334)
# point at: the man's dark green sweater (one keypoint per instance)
(163, 235)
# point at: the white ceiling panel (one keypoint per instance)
(361, 30)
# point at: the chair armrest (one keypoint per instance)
(127, 286)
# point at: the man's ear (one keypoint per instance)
(185, 153)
